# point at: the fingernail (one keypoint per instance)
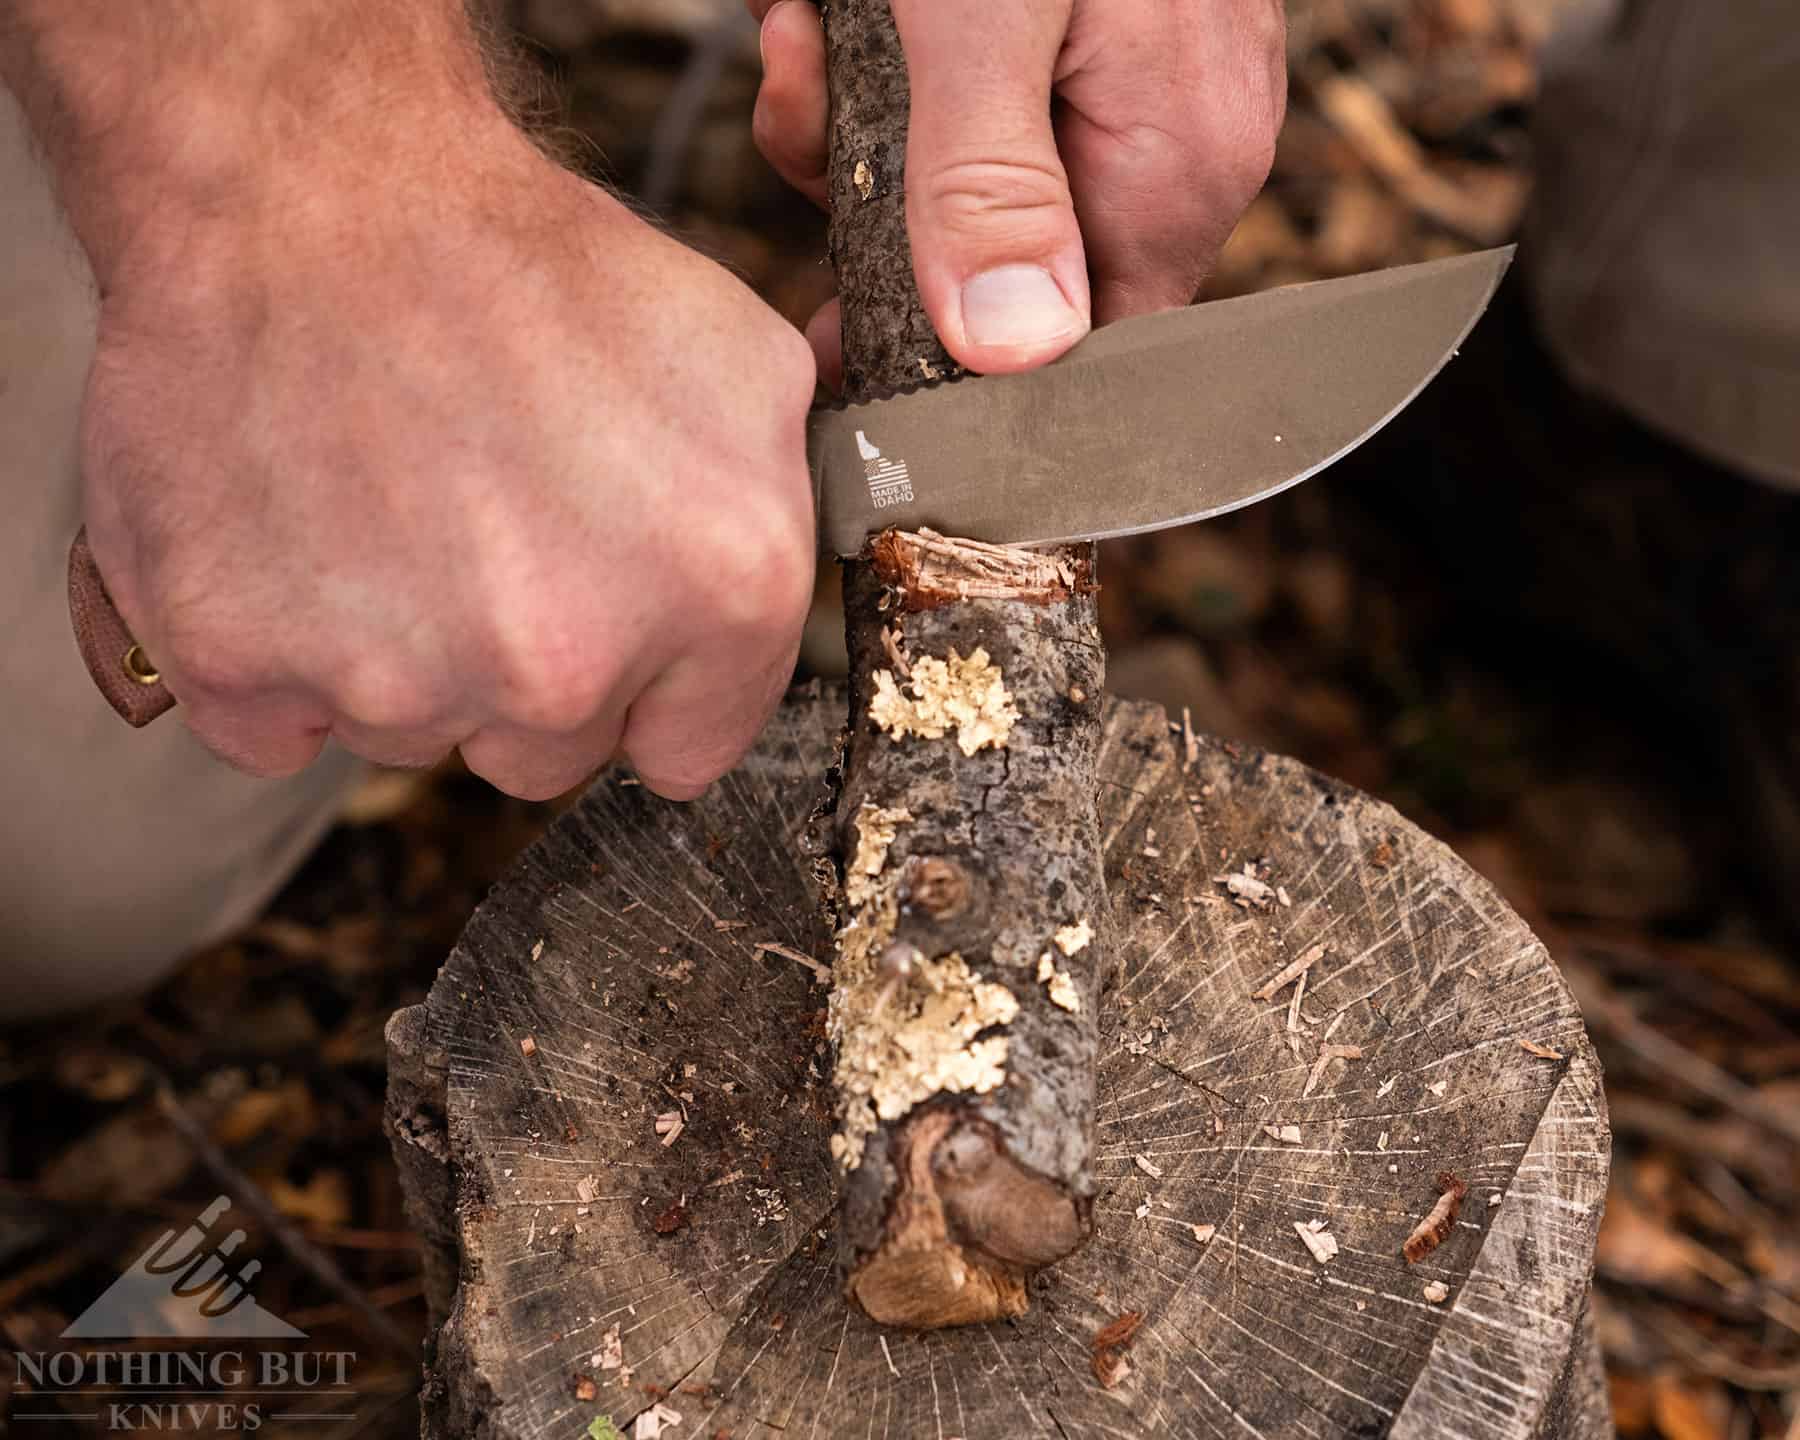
(1018, 305)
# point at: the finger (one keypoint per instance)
(825, 333)
(533, 765)
(1167, 123)
(792, 105)
(269, 735)
(685, 731)
(396, 749)
(996, 246)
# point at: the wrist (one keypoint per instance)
(237, 114)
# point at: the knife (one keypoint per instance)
(1148, 423)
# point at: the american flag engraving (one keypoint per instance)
(890, 483)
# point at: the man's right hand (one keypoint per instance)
(430, 444)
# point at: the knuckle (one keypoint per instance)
(548, 682)
(382, 697)
(975, 194)
(760, 576)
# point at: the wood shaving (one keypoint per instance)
(1318, 1240)
(888, 1355)
(1073, 939)
(890, 642)
(1289, 973)
(1434, 1229)
(1381, 1141)
(1151, 1169)
(670, 1125)
(1328, 1053)
(1543, 1052)
(1386, 1086)
(652, 1422)
(1439, 1088)
(1109, 1346)
(1437, 1292)
(967, 695)
(1062, 989)
(821, 973)
(875, 832)
(1293, 1015)
(1246, 890)
(1204, 1233)
(1286, 1134)
(611, 1354)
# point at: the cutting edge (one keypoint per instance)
(1502, 257)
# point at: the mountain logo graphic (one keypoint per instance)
(184, 1287)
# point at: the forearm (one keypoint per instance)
(184, 109)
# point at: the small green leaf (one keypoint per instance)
(602, 1428)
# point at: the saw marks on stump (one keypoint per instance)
(714, 1255)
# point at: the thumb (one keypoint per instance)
(996, 245)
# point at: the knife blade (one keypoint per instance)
(1153, 421)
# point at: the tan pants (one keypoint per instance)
(1665, 263)
(120, 850)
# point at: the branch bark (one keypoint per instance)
(973, 910)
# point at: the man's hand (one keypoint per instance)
(1055, 144)
(398, 433)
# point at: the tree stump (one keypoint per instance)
(647, 959)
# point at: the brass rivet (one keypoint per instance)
(138, 667)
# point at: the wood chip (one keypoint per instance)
(669, 1125)
(1144, 1164)
(585, 1388)
(1437, 1292)
(1204, 1233)
(1286, 1134)
(1246, 890)
(1318, 1240)
(1439, 1088)
(1434, 1229)
(821, 973)
(890, 642)
(586, 1188)
(528, 1047)
(1293, 1015)
(888, 1355)
(611, 1354)
(1289, 973)
(1328, 1053)
(1543, 1052)
(1386, 1086)
(652, 1422)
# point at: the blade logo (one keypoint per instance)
(890, 482)
(184, 1287)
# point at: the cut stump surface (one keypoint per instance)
(649, 960)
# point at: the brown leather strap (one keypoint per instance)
(125, 675)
